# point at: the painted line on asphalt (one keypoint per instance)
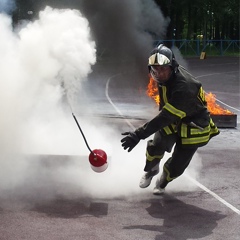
(190, 178)
(213, 194)
(211, 74)
(109, 99)
(216, 73)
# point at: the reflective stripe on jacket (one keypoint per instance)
(191, 135)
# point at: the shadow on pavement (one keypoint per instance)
(63, 208)
(179, 220)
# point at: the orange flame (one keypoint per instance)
(215, 109)
(152, 91)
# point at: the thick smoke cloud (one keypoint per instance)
(43, 65)
(41, 69)
(125, 29)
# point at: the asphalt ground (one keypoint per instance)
(202, 204)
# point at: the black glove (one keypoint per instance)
(130, 141)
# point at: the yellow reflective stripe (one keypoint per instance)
(170, 129)
(200, 136)
(169, 179)
(174, 127)
(167, 130)
(184, 130)
(195, 131)
(164, 89)
(195, 140)
(201, 95)
(174, 110)
(214, 130)
(211, 128)
(211, 122)
(151, 158)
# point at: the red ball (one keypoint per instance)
(98, 160)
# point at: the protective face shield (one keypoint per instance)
(160, 74)
(162, 63)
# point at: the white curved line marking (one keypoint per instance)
(211, 74)
(117, 110)
(190, 178)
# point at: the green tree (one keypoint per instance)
(214, 19)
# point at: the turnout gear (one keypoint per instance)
(130, 141)
(183, 122)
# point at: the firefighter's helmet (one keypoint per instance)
(161, 56)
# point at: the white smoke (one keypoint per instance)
(179, 57)
(41, 63)
(42, 66)
(45, 61)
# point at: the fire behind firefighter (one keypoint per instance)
(183, 121)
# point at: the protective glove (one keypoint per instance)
(130, 141)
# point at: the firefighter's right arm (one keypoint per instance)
(163, 119)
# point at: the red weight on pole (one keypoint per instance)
(98, 160)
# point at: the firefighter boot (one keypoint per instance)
(160, 184)
(147, 177)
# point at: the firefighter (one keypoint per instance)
(183, 122)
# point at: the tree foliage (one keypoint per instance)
(208, 19)
(190, 19)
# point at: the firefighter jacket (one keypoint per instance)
(183, 110)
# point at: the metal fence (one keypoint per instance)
(211, 47)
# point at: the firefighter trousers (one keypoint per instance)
(179, 160)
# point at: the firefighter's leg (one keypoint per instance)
(154, 153)
(175, 166)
